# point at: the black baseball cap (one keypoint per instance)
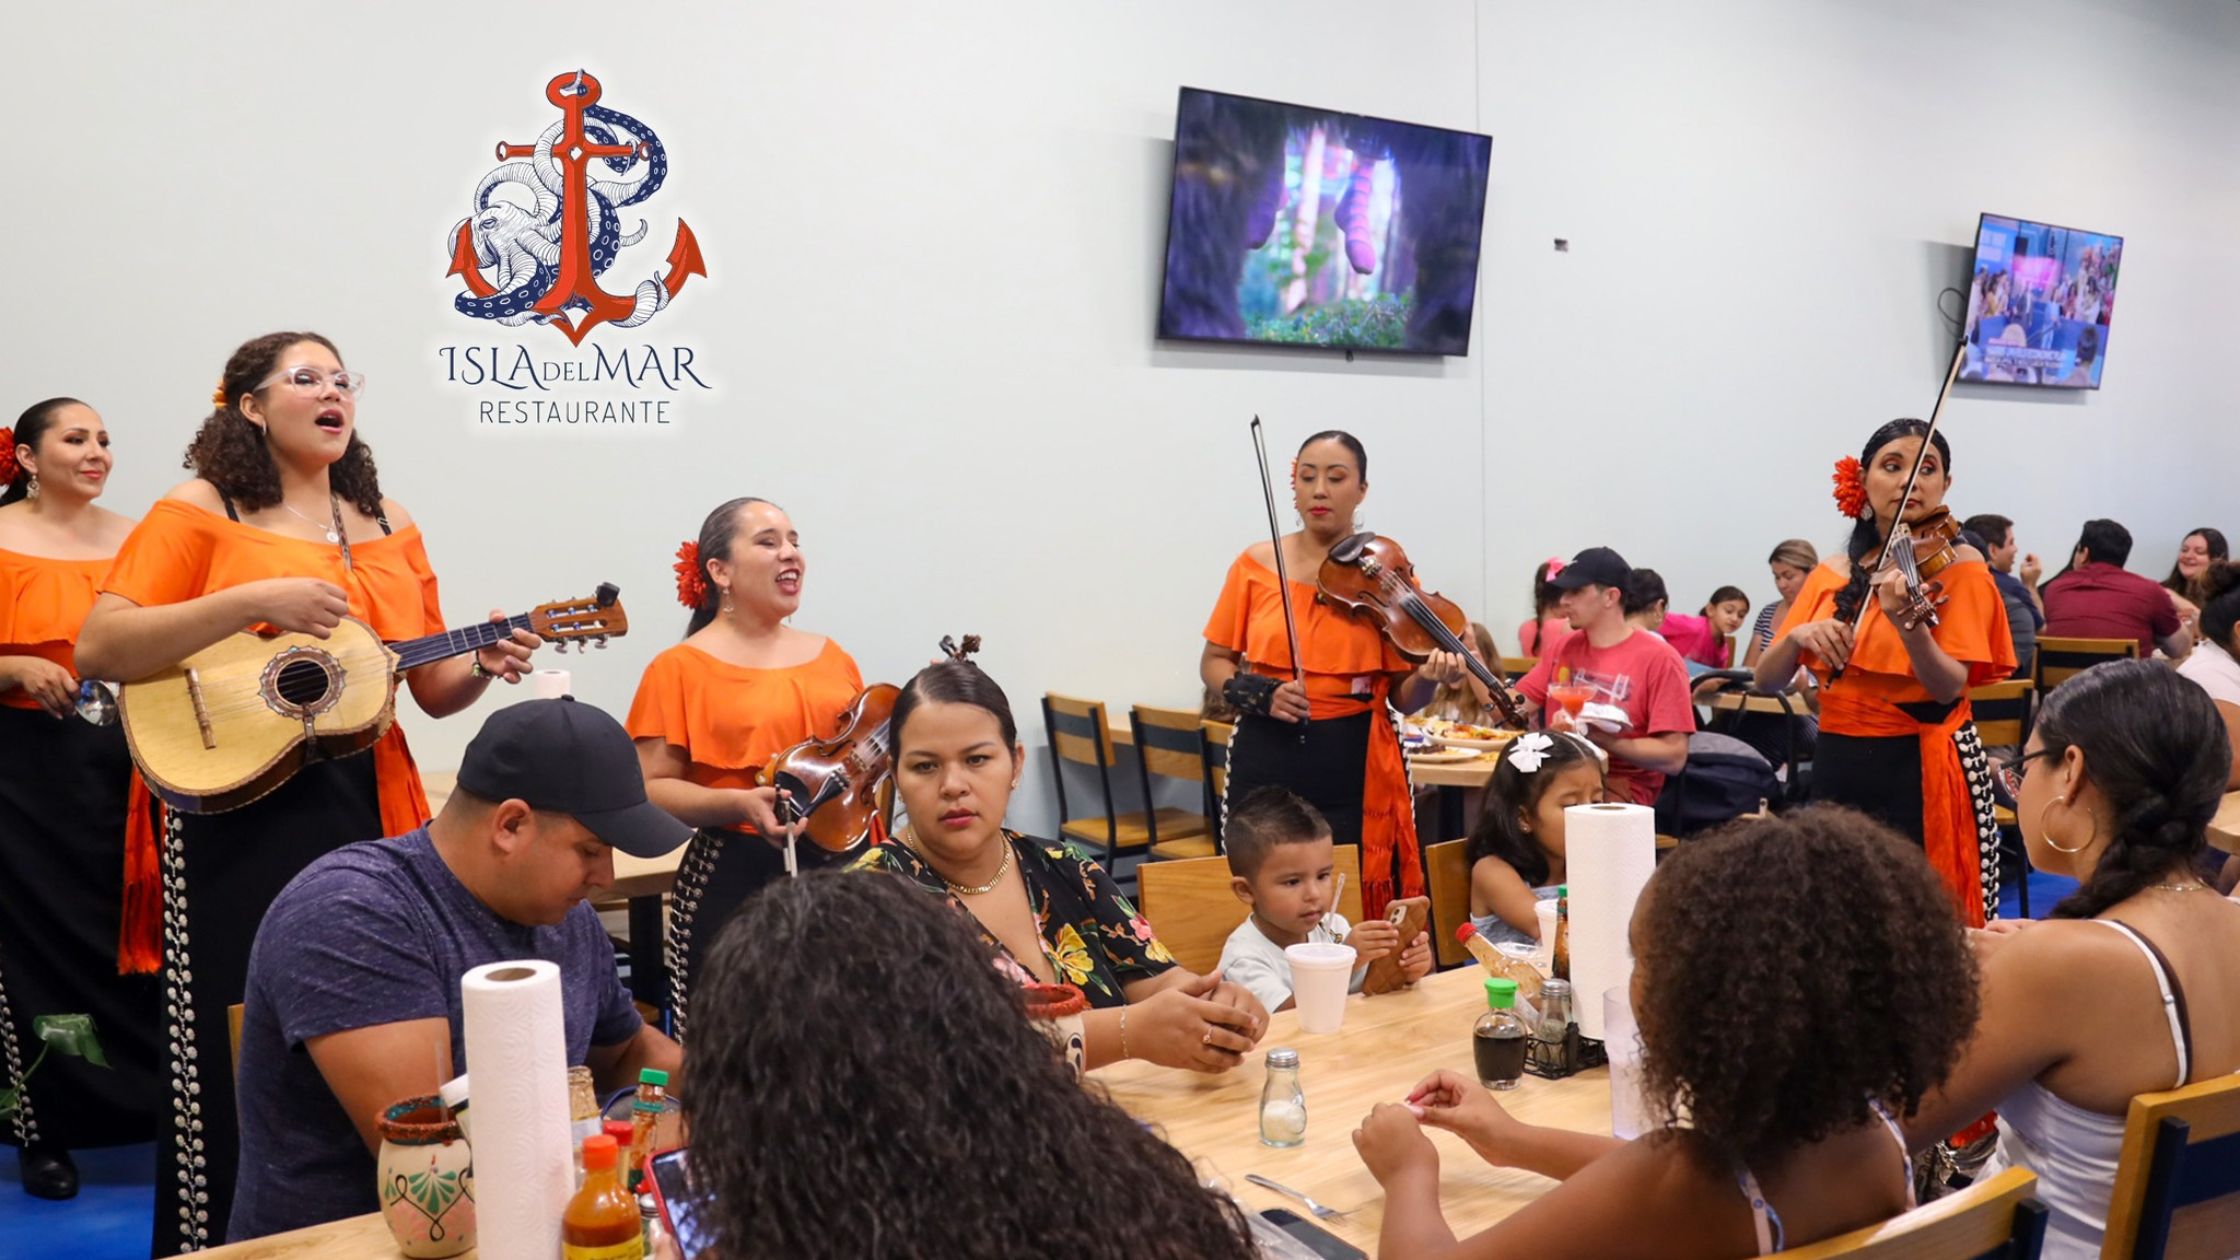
(570, 758)
(1596, 566)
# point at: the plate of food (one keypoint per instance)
(1441, 756)
(1465, 735)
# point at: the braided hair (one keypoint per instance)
(1865, 539)
(2156, 748)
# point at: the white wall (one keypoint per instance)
(933, 241)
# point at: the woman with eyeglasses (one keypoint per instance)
(2128, 988)
(283, 526)
(64, 787)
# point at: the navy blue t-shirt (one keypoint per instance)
(377, 933)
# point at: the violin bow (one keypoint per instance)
(1913, 478)
(1283, 579)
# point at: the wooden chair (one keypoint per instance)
(1078, 734)
(1170, 743)
(2003, 712)
(1192, 910)
(233, 1036)
(1216, 749)
(2177, 1194)
(2061, 658)
(1995, 1219)
(1449, 884)
(1514, 668)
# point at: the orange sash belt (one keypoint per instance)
(1948, 816)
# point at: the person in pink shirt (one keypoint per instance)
(1547, 629)
(1635, 675)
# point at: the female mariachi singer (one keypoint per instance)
(1349, 763)
(63, 809)
(712, 710)
(1897, 738)
(284, 526)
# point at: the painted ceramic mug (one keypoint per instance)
(1056, 1010)
(426, 1173)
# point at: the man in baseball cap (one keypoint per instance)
(353, 999)
(1641, 712)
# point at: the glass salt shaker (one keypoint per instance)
(1283, 1105)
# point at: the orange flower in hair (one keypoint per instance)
(692, 578)
(1851, 487)
(8, 466)
(218, 396)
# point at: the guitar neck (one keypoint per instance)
(413, 653)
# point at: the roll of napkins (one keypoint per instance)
(517, 1048)
(1609, 853)
(550, 684)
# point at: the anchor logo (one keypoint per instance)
(546, 257)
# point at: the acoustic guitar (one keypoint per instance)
(237, 719)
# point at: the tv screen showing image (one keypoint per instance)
(2039, 300)
(1297, 226)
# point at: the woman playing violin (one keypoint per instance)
(1348, 763)
(1897, 738)
(712, 710)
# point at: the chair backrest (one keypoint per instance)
(2003, 712)
(2177, 1194)
(1450, 898)
(1077, 729)
(1994, 1219)
(1192, 910)
(233, 1035)
(1515, 668)
(2061, 658)
(1169, 743)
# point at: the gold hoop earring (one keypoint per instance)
(2046, 834)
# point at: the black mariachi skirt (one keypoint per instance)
(1328, 769)
(63, 789)
(221, 872)
(721, 869)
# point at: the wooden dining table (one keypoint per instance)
(2224, 829)
(1386, 1045)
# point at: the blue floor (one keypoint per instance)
(111, 1219)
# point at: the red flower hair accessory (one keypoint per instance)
(1851, 487)
(692, 577)
(8, 466)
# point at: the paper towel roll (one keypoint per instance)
(550, 684)
(517, 1049)
(1609, 853)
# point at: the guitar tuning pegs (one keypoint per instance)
(600, 643)
(561, 648)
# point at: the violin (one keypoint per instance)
(832, 785)
(1921, 551)
(1369, 577)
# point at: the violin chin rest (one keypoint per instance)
(1349, 549)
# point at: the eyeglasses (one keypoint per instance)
(311, 382)
(2010, 776)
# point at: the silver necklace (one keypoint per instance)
(2189, 886)
(333, 532)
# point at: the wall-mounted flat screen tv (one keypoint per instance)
(2039, 301)
(1290, 225)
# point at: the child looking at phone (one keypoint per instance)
(1517, 854)
(1280, 866)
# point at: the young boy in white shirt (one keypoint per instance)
(1280, 860)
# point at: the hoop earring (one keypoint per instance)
(2046, 834)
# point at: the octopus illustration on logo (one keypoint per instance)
(546, 258)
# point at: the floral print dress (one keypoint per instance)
(1091, 933)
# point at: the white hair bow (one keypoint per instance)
(1529, 751)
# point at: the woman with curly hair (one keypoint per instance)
(2129, 987)
(884, 1095)
(712, 710)
(1792, 1059)
(283, 526)
(1897, 737)
(1043, 911)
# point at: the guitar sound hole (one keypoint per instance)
(302, 683)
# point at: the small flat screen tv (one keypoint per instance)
(2040, 298)
(1290, 225)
